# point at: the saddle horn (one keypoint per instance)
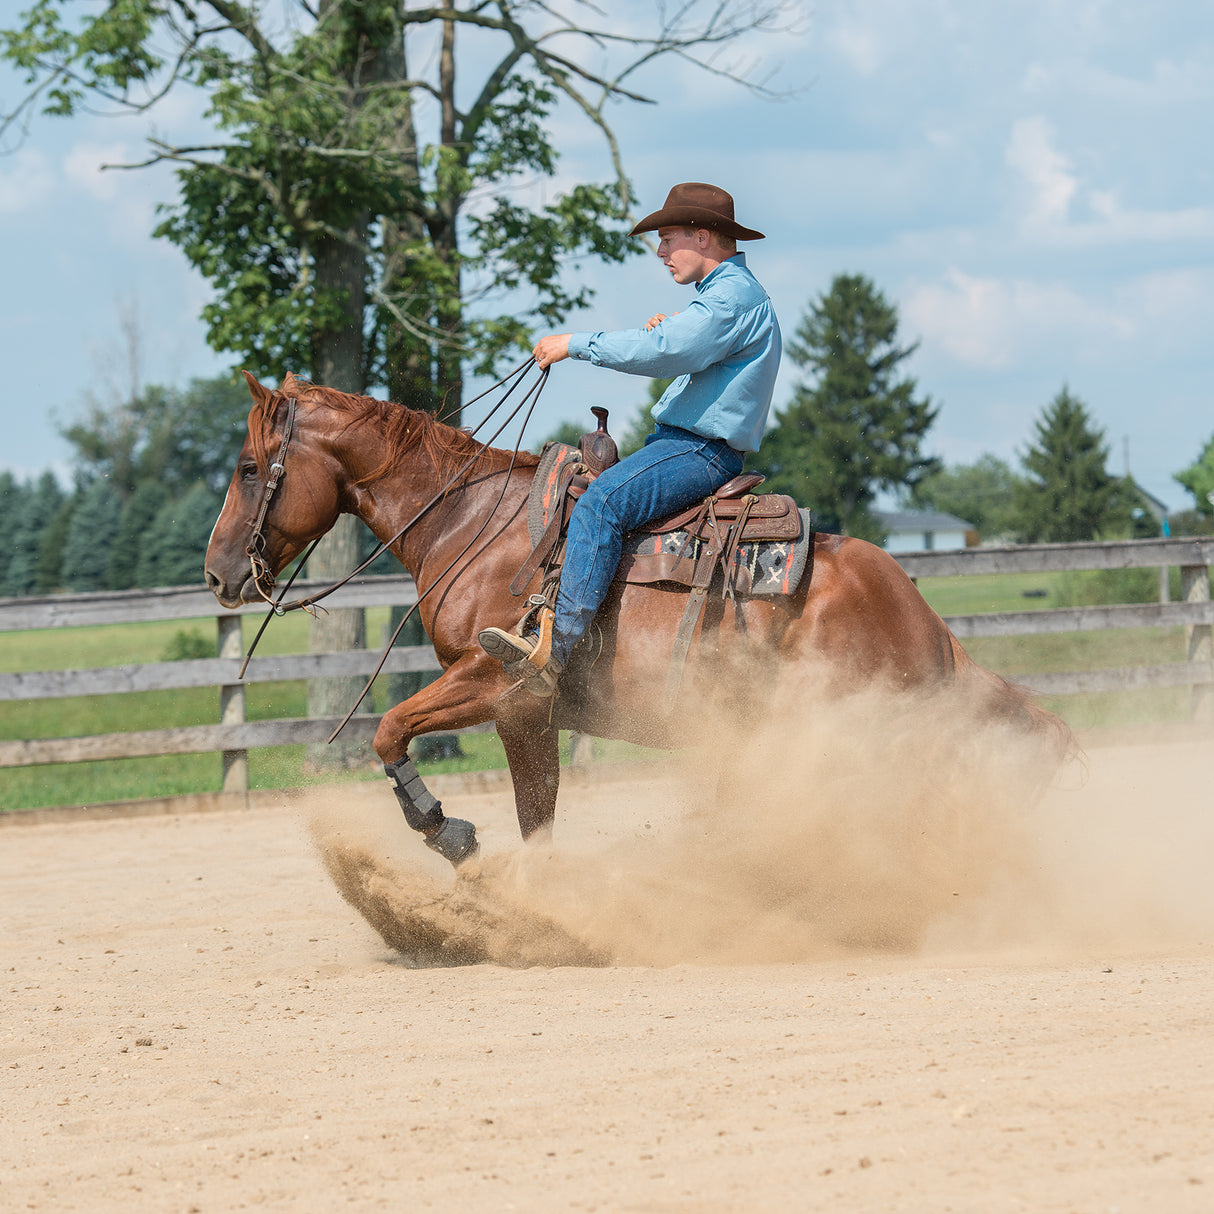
(597, 446)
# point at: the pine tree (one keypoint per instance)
(13, 498)
(94, 525)
(138, 514)
(42, 502)
(854, 424)
(48, 570)
(175, 544)
(1068, 494)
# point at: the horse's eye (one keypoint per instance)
(248, 472)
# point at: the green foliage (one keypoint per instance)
(854, 425)
(42, 503)
(94, 525)
(1198, 479)
(981, 493)
(184, 434)
(1098, 587)
(1068, 494)
(187, 643)
(134, 525)
(176, 543)
(357, 223)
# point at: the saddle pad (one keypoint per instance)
(762, 569)
(542, 500)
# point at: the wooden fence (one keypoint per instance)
(233, 735)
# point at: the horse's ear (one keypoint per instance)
(260, 393)
(289, 387)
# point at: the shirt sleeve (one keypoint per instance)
(688, 341)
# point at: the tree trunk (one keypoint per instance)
(338, 363)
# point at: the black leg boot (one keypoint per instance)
(453, 838)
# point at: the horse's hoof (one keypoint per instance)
(455, 840)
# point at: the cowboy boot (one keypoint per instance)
(528, 658)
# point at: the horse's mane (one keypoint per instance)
(404, 431)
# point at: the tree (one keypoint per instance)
(192, 433)
(42, 503)
(854, 424)
(1198, 479)
(93, 528)
(982, 493)
(13, 498)
(1068, 494)
(175, 542)
(362, 219)
(135, 523)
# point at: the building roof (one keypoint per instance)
(921, 520)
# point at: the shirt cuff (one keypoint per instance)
(579, 346)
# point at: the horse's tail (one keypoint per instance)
(1014, 705)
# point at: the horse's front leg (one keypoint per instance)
(465, 694)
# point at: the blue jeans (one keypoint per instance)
(673, 470)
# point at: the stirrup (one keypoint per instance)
(528, 658)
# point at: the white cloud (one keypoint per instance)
(994, 323)
(83, 167)
(29, 180)
(1058, 207)
(1046, 172)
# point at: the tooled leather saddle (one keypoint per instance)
(739, 541)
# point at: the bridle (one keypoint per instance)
(263, 577)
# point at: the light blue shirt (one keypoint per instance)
(724, 347)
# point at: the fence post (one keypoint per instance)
(1195, 588)
(232, 705)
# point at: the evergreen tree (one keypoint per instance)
(176, 541)
(13, 498)
(854, 424)
(48, 571)
(93, 527)
(138, 514)
(42, 502)
(1068, 494)
(1198, 479)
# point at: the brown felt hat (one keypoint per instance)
(696, 205)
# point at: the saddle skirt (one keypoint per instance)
(767, 557)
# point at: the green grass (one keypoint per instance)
(279, 767)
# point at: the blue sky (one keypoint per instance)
(1030, 183)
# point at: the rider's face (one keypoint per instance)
(683, 251)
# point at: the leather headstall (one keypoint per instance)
(254, 549)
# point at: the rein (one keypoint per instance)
(256, 543)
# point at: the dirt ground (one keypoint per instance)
(196, 1019)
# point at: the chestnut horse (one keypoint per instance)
(856, 618)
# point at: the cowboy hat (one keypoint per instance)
(696, 205)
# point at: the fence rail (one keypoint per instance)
(234, 736)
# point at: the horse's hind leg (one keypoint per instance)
(532, 751)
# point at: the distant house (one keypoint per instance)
(925, 530)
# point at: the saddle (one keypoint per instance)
(739, 541)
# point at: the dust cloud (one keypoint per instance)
(880, 823)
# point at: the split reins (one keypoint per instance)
(255, 547)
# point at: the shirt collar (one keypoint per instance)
(738, 259)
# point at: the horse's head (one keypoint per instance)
(285, 492)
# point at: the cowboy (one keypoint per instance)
(724, 349)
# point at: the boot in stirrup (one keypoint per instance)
(526, 657)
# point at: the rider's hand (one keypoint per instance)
(654, 321)
(551, 349)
